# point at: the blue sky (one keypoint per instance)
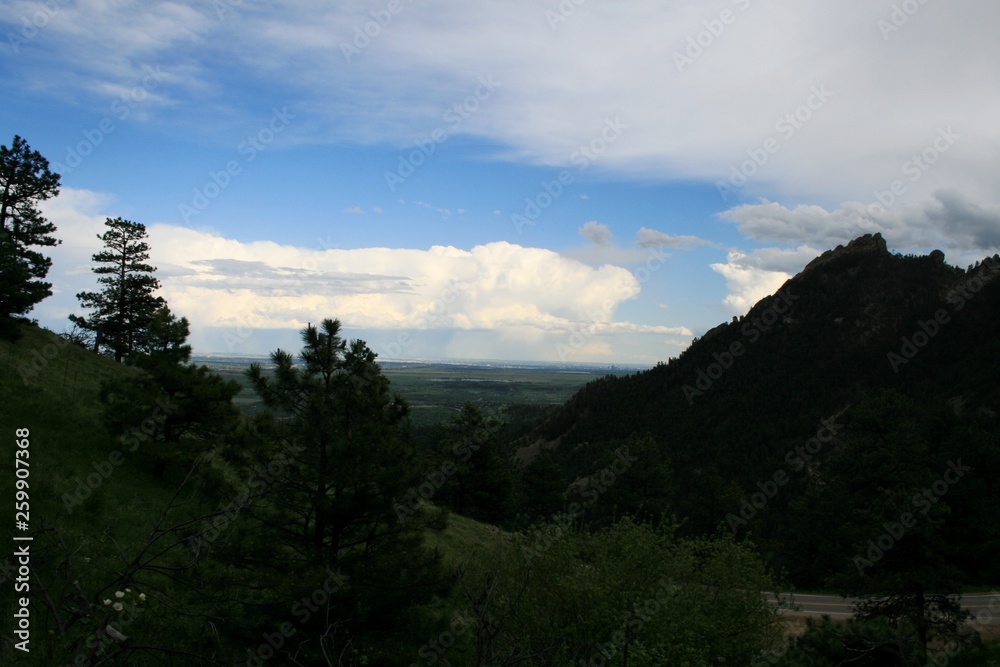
(575, 181)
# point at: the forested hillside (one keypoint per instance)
(841, 435)
(863, 352)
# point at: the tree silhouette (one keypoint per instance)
(125, 308)
(25, 180)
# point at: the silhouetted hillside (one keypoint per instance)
(726, 414)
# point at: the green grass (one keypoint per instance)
(53, 389)
(462, 538)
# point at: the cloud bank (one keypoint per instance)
(221, 284)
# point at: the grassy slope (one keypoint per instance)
(53, 389)
(58, 400)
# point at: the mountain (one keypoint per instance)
(730, 412)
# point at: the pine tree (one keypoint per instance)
(482, 467)
(350, 426)
(25, 180)
(333, 502)
(125, 308)
(174, 410)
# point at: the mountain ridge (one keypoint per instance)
(856, 321)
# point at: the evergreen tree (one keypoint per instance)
(25, 180)
(349, 464)
(173, 410)
(482, 477)
(123, 311)
(167, 337)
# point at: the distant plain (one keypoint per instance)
(437, 390)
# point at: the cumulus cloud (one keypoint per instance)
(220, 283)
(596, 232)
(752, 276)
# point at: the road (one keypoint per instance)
(984, 606)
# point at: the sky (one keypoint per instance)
(575, 181)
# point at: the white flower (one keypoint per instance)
(142, 596)
(117, 606)
(119, 595)
(128, 590)
(107, 603)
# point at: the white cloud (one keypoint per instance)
(948, 220)
(596, 232)
(648, 242)
(891, 92)
(908, 111)
(752, 276)
(357, 210)
(220, 284)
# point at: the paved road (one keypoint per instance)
(984, 606)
